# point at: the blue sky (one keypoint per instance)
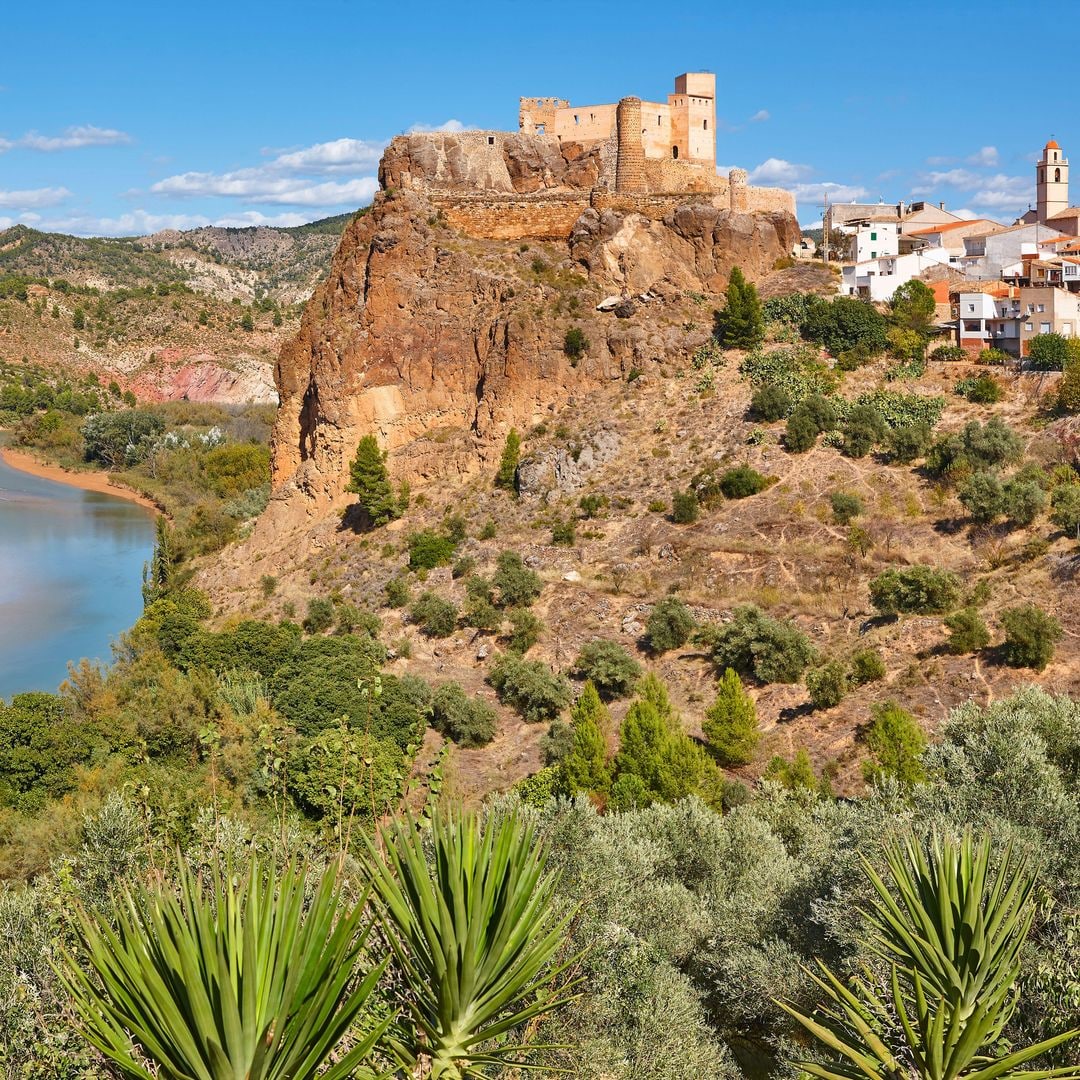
(123, 118)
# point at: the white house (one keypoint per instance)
(988, 255)
(874, 237)
(877, 279)
(989, 317)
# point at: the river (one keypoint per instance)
(70, 576)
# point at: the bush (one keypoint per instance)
(531, 687)
(908, 442)
(1023, 500)
(350, 619)
(867, 667)
(967, 632)
(320, 616)
(506, 477)
(983, 497)
(564, 532)
(845, 507)
(434, 615)
(740, 324)
(515, 583)
(121, 438)
(467, 720)
(812, 416)
(993, 357)
(428, 549)
(1048, 352)
(981, 389)
(669, 625)
(463, 567)
(1065, 508)
(915, 590)
(948, 352)
(741, 482)
(758, 647)
(575, 344)
(684, 507)
(398, 593)
(238, 467)
(863, 428)
(796, 371)
(482, 614)
(731, 725)
(977, 447)
(584, 767)
(524, 633)
(844, 323)
(855, 358)
(591, 505)
(609, 667)
(1030, 636)
(827, 685)
(795, 775)
(897, 743)
(370, 482)
(770, 402)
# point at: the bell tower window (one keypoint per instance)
(1057, 174)
(675, 152)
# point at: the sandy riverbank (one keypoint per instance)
(88, 481)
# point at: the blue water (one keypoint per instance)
(70, 577)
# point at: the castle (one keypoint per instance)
(636, 156)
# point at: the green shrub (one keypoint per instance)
(863, 428)
(609, 667)
(463, 567)
(896, 743)
(967, 632)
(575, 344)
(948, 352)
(845, 507)
(914, 590)
(506, 477)
(1023, 500)
(398, 593)
(1065, 508)
(844, 323)
(758, 647)
(795, 775)
(482, 614)
(857, 357)
(370, 482)
(908, 442)
(827, 685)
(669, 625)
(591, 505)
(1048, 352)
(770, 403)
(981, 389)
(434, 615)
(983, 497)
(741, 482)
(976, 448)
(808, 419)
(515, 583)
(584, 767)
(898, 409)
(1030, 636)
(530, 687)
(467, 720)
(236, 468)
(350, 619)
(867, 666)
(739, 325)
(995, 357)
(730, 725)
(320, 616)
(428, 549)
(564, 532)
(524, 632)
(798, 372)
(684, 508)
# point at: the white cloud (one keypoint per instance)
(960, 178)
(966, 214)
(779, 171)
(1003, 191)
(74, 138)
(939, 161)
(6, 144)
(339, 155)
(446, 125)
(760, 116)
(987, 157)
(261, 186)
(34, 197)
(143, 223)
(837, 192)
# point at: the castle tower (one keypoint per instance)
(738, 195)
(1052, 182)
(693, 118)
(630, 163)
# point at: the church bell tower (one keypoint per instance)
(1052, 182)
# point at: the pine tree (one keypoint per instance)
(740, 325)
(585, 768)
(730, 723)
(507, 475)
(370, 482)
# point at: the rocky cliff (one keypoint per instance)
(439, 343)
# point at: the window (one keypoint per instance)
(873, 236)
(1057, 174)
(658, 121)
(491, 140)
(1031, 308)
(1028, 327)
(971, 307)
(577, 119)
(705, 125)
(675, 152)
(1066, 329)
(1044, 328)
(1042, 176)
(541, 129)
(1042, 308)
(873, 254)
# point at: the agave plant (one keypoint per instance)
(239, 981)
(475, 934)
(951, 936)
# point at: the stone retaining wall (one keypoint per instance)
(509, 217)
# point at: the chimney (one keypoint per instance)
(941, 206)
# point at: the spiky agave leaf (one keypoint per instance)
(475, 934)
(952, 936)
(241, 980)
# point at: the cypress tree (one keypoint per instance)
(585, 768)
(370, 482)
(730, 723)
(740, 325)
(507, 474)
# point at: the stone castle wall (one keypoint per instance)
(630, 163)
(512, 217)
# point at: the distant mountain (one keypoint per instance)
(246, 264)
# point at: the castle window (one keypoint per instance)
(577, 119)
(1057, 174)
(705, 124)
(541, 129)
(491, 140)
(675, 152)
(658, 121)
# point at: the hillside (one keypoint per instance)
(200, 314)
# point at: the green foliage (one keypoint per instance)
(789, 310)
(983, 497)
(237, 467)
(1065, 508)
(564, 532)
(434, 615)
(978, 447)
(739, 325)
(369, 481)
(320, 615)
(948, 353)
(525, 628)
(730, 724)
(469, 721)
(914, 590)
(530, 687)
(584, 767)
(843, 323)
(896, 743)
(795, 371)
(515, 584)
(121, 438)
(951, 933)
(827, 685)
(908, 442)
(845, 507)
(863, 428)
(575, 344)
(428, 549)
(794, 775)
(609, 667)
(1048, 352)
(1069, 387)
(474, 932)
(867, 666)
(590, 505)
(398, 593)
(742, 481)
(809, 419)
(758, 647)
(981, 389)
(506, 477)
(669, 625)
(684, 507)
(1022, 500)
(770, 403)
(1030, 636)
(901, 410)
(967, 632)
(912, 307)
